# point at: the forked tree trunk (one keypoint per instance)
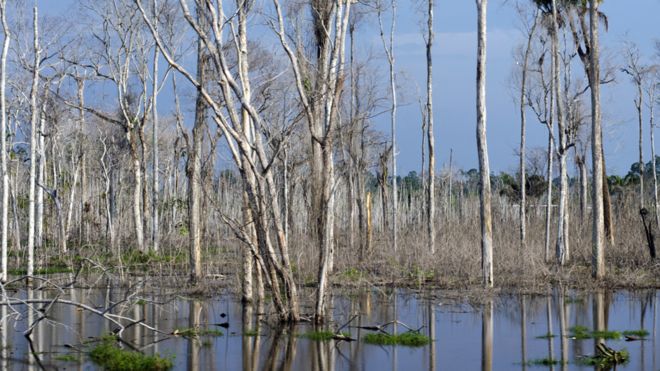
(482, 148)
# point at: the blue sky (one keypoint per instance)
(454, 75)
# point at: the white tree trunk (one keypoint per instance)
(33, 146)
(3, 138)
(523, 135)
(562, 149)
(430, 198)
(598, 226)
(651, 106)
(41, 172)
(155, 232)
(482, 147)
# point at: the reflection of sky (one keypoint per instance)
(454, 69)
(457, 327)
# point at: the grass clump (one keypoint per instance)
(608, 335)
(251, 333)
(323, 335)
(547, 335)
(409, 339)
(66, 358)
(548, 361)
(109, 356)
(580, 332)
(639, 333)
(195, 332)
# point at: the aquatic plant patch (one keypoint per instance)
(409, 339)
(110, 357)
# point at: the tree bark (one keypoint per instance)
(523, 135)
(562, 149)
(598, 228)
(430, 195)
(482, 148)
(194, 165)
(3, 138)
(155, 230)
(33, 146)
(651, 107)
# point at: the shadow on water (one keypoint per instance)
(506, 332)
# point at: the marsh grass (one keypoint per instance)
(543, 362)
(548, 335)
(409, 339)
(67, 358)
(110, 357)
(251, 333)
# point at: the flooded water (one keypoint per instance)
(505, 333)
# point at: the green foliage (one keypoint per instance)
(194, 332)
(352, 274)
(579, 332)
(44, 271)
(137, 257)
(251, 333)
(409, 339)
(548, 361)
(548, 335)
(608, 335)
(582, 332)
(66, 358)
(110, 357)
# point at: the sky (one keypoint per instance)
(454, 57)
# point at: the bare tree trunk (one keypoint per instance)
(549, 170)
(3, 138)
(431, 138)
(562, 148)
(523, 135)
(194, 166)
(638, 105)
(482, 147)
(582, 166)
(389, 52)
(155, 229)
(41, 172)
(33, 146)
(598, 232)
(651, 106)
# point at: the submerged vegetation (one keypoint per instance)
(108, 355)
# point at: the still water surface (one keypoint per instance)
(503, 333)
